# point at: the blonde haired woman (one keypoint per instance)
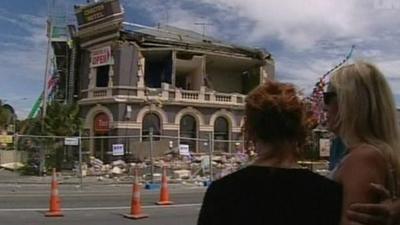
(361, 110)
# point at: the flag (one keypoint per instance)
(53, 81)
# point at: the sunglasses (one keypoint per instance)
(329, 97)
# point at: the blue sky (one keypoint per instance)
(306, 37)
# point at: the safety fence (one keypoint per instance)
(113, 158)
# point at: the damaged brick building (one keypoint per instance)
(174, 82)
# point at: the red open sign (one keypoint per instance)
(100, 57)
(101, 123)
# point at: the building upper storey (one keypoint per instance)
(129, 62)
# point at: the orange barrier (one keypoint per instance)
(54, 209)
(164, 191)
(136, 208)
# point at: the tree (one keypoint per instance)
(61, 120)
(6, 119)
(5, 116)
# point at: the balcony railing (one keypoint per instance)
(165, 94)
(223, 98)
(190, 95)
(100, 93)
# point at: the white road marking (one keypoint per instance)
(88, 194)
(101, 208)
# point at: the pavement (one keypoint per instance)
(157, 216)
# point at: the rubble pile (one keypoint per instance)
(180, 169)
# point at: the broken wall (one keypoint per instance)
(225, 81)
(126, 65)
(250, 80)
(141, 150)
(189, 72)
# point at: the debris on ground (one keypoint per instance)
(180, 169)
(12, 165)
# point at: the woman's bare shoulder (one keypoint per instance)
(363, 160)
(367, 154)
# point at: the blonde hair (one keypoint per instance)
(366, 110)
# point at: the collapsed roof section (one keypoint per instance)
(168, 36)
(189, 60)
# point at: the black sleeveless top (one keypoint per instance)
(272, 196)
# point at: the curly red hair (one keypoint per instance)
(275, 114)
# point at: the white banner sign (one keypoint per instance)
(324, 147)
(118, 149)
(184, 150)
(100, 57)
(71, 141)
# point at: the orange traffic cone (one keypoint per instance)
(54, 209)
(136, 208)
(164, 192)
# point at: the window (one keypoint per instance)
(102, 76)
(188, 129)
(158, 68)
(101, 128)
(151, 121)
(221, 134)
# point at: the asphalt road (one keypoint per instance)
(96, 205)
(160, 216)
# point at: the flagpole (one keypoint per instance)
(46, 74)
(45, 95)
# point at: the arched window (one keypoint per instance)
(188, 129)
(151, 121)
(221, 134)
(101, 127)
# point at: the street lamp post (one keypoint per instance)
(80, 161)
(151, 155)
(15, 139)
(210, 151)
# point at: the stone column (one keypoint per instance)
(140, 74)
(110, 78)
(92, 81)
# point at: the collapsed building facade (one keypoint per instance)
(172, 82)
